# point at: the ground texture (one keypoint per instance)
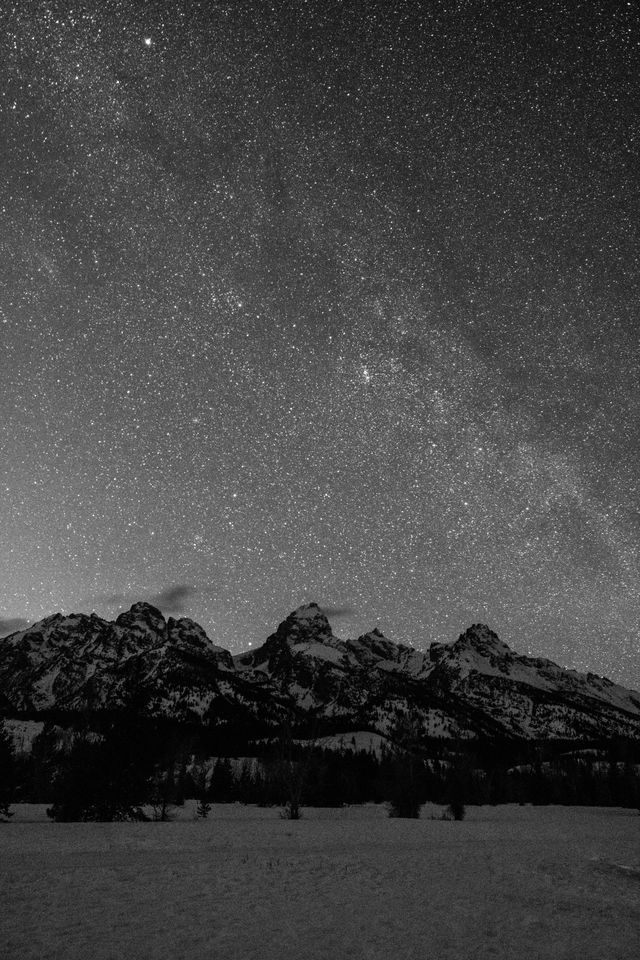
(510, 883)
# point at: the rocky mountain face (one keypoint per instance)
(476, 687)
(81, 664)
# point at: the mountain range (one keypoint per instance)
(66, 667)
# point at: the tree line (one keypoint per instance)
(121, 766)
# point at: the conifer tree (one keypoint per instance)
(223, 782)
(107, 779)
(199, 778)
(407, 770)
(8, 773)
(293, 769)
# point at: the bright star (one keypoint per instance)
(147, 41)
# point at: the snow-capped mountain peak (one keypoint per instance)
(306, 623)
(481, 638)
(144, 621)
(311, 619)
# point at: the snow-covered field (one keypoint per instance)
(513, 883)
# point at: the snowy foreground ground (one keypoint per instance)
(514, 883)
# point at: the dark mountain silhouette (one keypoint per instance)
(69, 667)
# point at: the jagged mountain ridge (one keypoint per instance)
(475, 687)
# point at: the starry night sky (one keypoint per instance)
(331, 301)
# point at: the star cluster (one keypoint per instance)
(329, 301)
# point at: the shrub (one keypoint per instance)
(407, 807)
(456, 810)
(291, 811)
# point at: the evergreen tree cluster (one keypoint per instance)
(8, 774)
(112, 773)
(115, 766)
(317, 777)
(406, 780)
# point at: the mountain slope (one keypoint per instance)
(475, 687)
(162, 668)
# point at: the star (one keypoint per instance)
(327, 302)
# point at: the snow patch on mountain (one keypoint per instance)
(23, 733)
(320, 650)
